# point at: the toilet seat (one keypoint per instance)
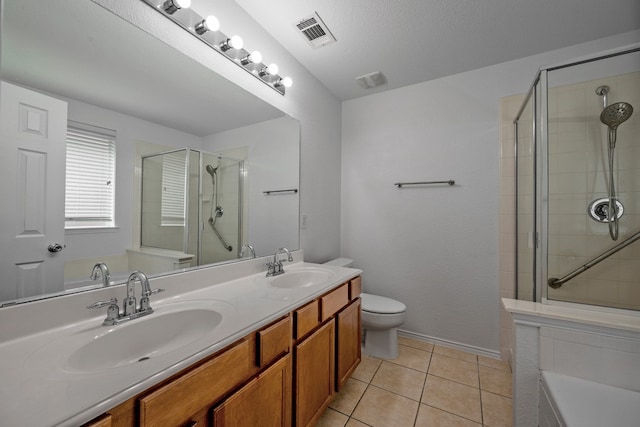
(381, 305)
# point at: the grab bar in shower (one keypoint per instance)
(401, 184)
(555, 283)
(293, 190)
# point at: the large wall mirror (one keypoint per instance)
(118, 149)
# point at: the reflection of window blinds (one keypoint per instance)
(90, 176)
(173, 189)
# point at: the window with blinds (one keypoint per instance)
(90, 176)
(172, 203)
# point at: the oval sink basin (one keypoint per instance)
(143, 339)
(302, 278)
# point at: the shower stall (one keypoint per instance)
(577, 161)
(192, 203)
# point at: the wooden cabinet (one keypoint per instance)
(314, 374)
(265, 401)
(348, 338)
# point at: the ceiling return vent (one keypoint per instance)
(371, 80)
(315, 31)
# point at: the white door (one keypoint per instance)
(33, 129)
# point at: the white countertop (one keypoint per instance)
(38, 388)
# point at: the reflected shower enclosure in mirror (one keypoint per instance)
(72, 53)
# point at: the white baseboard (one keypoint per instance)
(446, 343)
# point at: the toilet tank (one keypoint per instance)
(341, 262)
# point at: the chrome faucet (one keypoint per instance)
(100, 270)
(130, 310)
(275, 268)
(253, 252)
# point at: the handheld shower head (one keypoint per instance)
(211, 170)
(616, 114)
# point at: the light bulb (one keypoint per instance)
(255, 57)
(272, 69)
(171, 6)
(286, 81)
(210, 23)
(235, 42)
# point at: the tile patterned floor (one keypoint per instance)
(425, 386)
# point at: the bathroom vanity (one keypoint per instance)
(275, 354)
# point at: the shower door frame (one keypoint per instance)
(541, 179)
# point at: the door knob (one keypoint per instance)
(54, 247)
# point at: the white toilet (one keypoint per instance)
(380, 318)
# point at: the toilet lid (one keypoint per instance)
(382, 305)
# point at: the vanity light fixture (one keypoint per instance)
(254, 57)
(210, 23)
(235, 42)
(171, 6)
(207, 30)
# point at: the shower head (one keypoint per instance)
(616, 114)
(211, 169)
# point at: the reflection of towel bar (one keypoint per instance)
(293, 190)
(400, 184)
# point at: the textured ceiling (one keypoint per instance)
(412, 41)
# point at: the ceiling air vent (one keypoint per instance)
(315, 31)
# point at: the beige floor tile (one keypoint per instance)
(455, 353)
(412, 358)
(355, 423)
(331, 418)
(455, 370)
(494, 363)
(496, 410)
(433, 417)
(366, 369)
(495, 381)
(349, 396)
(420, 345)
(400, 380)
(381, 408)
(453, 397)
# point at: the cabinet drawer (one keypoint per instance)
(273, 341)
(306, 318)
(176, 402)
(334, 301)
(355, 288)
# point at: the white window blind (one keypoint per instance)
(172, 204)
(90, 176)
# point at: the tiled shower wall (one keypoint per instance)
(578, 174)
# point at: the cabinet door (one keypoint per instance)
(181, 401)
(315, 373)
(265, 401)
(348, 353)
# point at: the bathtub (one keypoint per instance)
(566, 401)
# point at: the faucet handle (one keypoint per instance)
(113, 312)
(100, 304)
